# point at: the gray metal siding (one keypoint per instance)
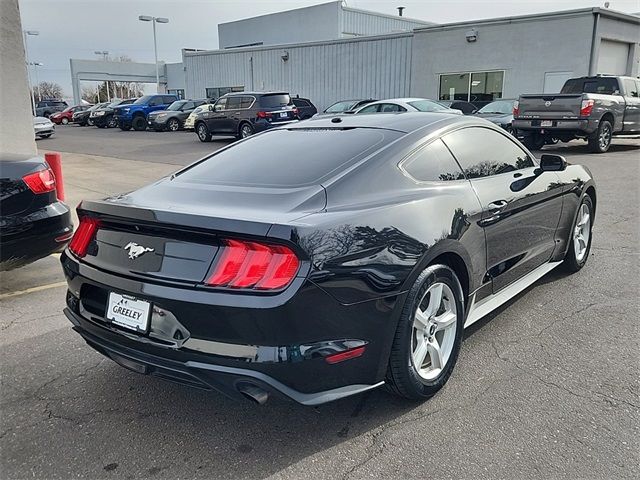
(323, 72)
(356, 22)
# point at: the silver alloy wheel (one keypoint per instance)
(246, 131)
(202, 132)
(582, 232)
(173, 125)
(64, 120)
(434, 331)
(605, 137)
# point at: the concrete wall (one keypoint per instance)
(525, 49)
(16, 129)
(376, 67)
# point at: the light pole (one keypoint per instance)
(35, 67)
(154, 20)
(105, 57)
(25, 34)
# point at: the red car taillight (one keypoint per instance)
(516, 108)
(43, 181)
(296, 111)
(83, 236)
(586, 108)
(263, 114)
(254, 265)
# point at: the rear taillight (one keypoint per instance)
(516, 108)
(254, 265)
(586, 108)
(264, 114)
(42, 181)
(295, 110)
(83, 236)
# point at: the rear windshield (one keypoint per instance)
(427, 106)
(177, 105)
(275, 100)
(604, 85)
(341, 107)
(288, 158)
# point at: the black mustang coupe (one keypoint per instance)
(252, 273)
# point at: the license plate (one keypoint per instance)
(284, 114)
(128, 312)
(546, 123)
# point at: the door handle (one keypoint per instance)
(497, 205)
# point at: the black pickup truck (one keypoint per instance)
(591, 108)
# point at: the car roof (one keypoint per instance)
(276, 92)
(405, 122)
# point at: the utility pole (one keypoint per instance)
(154, 20)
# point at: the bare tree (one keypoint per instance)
(90, 94)
(48, 90)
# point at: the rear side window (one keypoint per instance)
(631, 88)
(246, 102)
(433, 163)
(482, 152)
(298, 102)
(370, 109)
(603, 85)
(275, 100)
(265, 160)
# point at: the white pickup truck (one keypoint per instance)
(591, 108)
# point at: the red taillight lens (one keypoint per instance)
(516, 108)
(295, 110)
(254, 265)
(586, 107)
(264, 114)
(43, 181)
(83, 236)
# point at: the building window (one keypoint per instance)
(179, 92)
(216, 92)
(481, 87)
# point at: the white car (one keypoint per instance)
(43, 127)
(393, 105)
(191, 119)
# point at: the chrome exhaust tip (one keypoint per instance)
(253, 393)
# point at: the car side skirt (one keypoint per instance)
(479, 309)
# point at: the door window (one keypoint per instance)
(630, 88)
(390, 108)
(370, 109)
(154, 102)
(246, 102)
(482, 152)
(234, 103)
(221, 104)
(433, 163)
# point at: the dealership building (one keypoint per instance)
(330, 52)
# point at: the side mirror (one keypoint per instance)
(552, 163)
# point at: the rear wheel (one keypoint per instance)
(89, 122)
(600, 141)
(64, 120)
(429, 335)
(246, 130)
(139, 124)
(111, 122)
(173, 125)
(203, 132)
(580, 241)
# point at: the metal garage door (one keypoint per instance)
(613, 57)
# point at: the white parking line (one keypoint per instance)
(31, 290)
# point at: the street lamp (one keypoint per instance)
(35, 67)
(154, 20)
(105, 56)
(25, 34)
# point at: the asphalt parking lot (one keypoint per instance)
(547, 387)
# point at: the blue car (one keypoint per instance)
(135, 115)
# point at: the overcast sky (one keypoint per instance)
(77, 28)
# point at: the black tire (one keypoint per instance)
(534, 141)
(90, 122)
(173, 125)
(203, 133)
(139, 124)
(111, 122)
(572, 263)
(125, 128)
(245, 130)
(402, 377)
(600, 141)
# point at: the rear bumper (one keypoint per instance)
(34, 236)
(262, 125)
(223, 379)
(580, 126)
(277, 343)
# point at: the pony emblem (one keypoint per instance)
(136, 250)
